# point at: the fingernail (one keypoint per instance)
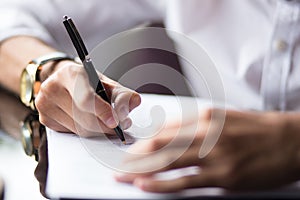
(135, 101)
(111, 122)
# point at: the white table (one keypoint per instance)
(17, 171)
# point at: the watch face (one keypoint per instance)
(26, 138)
(26, 92)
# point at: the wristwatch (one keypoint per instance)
(30, 77)
(32, 131)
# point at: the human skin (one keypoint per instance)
(256, 150)
(66, 101)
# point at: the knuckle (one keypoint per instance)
(206, 114)
(71, 69)
(105, 113)
(45, 121)
(212, 114)
(50, 86)
(229, 175)
(154, 144)
(41, 103)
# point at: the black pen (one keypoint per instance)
(83, 54)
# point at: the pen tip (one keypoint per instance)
(66, 17)
(124, 142)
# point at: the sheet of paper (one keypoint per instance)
(75, 173)
(84, 167)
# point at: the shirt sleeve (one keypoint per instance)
(17, 20)
(97, 20)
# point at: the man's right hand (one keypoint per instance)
(67, 103)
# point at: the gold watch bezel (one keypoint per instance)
(27, 133)
(28, 82)
(31, 131)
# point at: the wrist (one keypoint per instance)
(50, 67)
(31, 77)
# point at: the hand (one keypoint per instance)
(67, 103)
(254, 151)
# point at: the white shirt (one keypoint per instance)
(254, 44)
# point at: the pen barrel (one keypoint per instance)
(94, 80)
(119, 132)
(102, 94)
(98, 87)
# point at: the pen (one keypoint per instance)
(83, 54)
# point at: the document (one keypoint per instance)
(83, 168)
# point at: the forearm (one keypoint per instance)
(293, 133)
(12, 113)
(15, 53)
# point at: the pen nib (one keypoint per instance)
(124, 142)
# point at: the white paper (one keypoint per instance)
(75, 170)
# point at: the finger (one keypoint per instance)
(173, 159)
(64, 120)
(60, 120)
(163, 161)
(54, 125)
(168, 151)
(151, 184)
(119, 94)
(126, 123)
(63, 100)
(172, 137)
(83, 95)
(128, 178)
(55, 118)
(89, 121)
(188, 121)
(125, 100)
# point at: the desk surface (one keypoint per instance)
(17, 171)
(16, 168)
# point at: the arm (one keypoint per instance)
(57, 100)
(255, 151)
(15, 53)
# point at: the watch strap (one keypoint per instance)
(54, 56)
(34, 68)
